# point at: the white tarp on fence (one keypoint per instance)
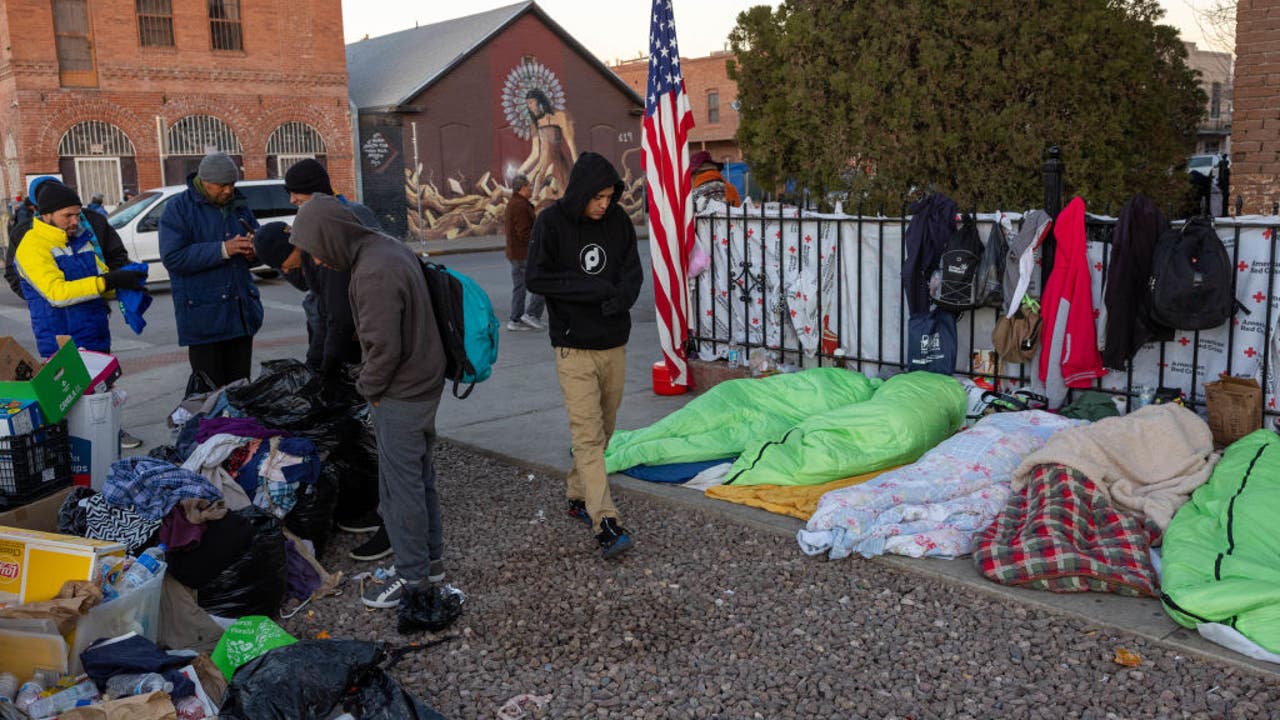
(791, 289)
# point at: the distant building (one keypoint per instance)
(450, 112)
(1214, 133)
(129, 94)
(713, 98)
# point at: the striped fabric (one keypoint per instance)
(1060, 534)
(668, 187)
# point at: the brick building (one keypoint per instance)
(712, 96)
(1255, 136)
(450, 112)
(129, 94)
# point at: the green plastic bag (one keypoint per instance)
(246, 639)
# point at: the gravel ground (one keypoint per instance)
(709, 618)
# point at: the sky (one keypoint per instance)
(619, 29)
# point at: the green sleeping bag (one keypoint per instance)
(908, 415)
(1221, 556)
(725, 419)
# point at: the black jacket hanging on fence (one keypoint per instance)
(1129, 322)
(933, 221)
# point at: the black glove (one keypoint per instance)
(125, 280)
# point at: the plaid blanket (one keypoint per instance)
(152, 487)
(1059, 533)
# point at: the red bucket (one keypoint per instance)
(662, 384)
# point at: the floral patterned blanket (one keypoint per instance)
(936, 505)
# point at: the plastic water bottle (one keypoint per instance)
(8, 687)
(143, 569)
(126, 684)
(63, 701)
(28, 693)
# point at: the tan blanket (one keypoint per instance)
(1148, 461)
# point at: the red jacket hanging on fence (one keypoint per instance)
(1070, 357)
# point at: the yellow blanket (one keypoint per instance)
(797, 501)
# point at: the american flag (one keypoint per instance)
(668, 187)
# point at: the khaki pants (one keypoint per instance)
(592, 382)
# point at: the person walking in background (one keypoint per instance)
(206, 245)
(519, 226)
(583, 259)
(95, 204)
(402, 378)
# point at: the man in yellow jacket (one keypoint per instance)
(65, 278)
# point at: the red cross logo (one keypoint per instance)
(709, 313)
(1184, 341)
(755, 321)
(791, 249)
(808, 329)
(808, 239)
(759, 301)
(1242, 266)
(794, 313)
(1250, 352)
(778, 235)
(1259, 297)
(1097, 266)
(1097, 313)
(724, 241)
(750, 232)
(1272, 403)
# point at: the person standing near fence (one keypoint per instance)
(519, 225)
(583, 259)
(402, 378)
(206, 244)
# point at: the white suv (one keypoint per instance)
(138, 221)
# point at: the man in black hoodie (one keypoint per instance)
(583, 260)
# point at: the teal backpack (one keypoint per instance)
(468, 326)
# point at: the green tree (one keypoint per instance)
(891, 99)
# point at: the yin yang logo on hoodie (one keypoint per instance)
(593, 259)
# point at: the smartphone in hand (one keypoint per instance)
(248, 229)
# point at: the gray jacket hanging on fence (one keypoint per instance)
(1020, 264)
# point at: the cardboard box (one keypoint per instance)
(94, 427)
(38, 515)
(15, 362)
(1234, 407)
(103, 370)
(34, 564)
(56, 386)
(19, 417)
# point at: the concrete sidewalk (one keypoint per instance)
(518, 416)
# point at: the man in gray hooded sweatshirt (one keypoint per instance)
(402, 378)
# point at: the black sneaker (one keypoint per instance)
(578, 511)
(613, 538)
(375, 548)
(366, 523)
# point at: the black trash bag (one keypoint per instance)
(73, 519)
(312, 515)
(254, 583)
(309, 679)
(428, 608)
(287, 395)
(355, 464)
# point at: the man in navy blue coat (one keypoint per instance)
(206, 244)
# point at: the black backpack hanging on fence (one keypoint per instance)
(991, 269)
(1190, 286)
(955, 286)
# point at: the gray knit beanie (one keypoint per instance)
(218, 168)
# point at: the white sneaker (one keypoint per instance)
(514, 326)
(532, 322)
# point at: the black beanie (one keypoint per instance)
(271, 244)
(52, 196)
(307, 177)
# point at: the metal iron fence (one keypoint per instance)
(841, 302)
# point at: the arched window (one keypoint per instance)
(193, 137)
(94, 137)
(201, 135)
(97, 157)
(291, 142)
